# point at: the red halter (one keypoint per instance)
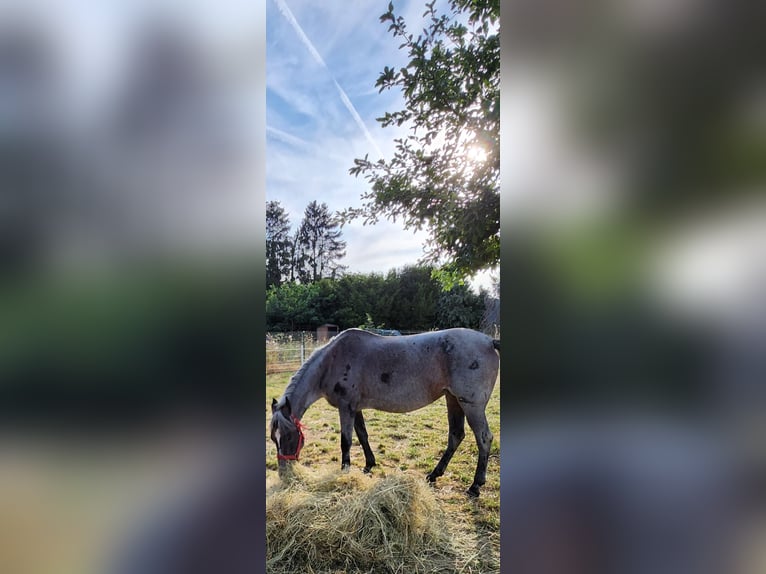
(300, 426)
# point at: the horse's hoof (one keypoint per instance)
(431, 477)
(473, 492)
(367, 470)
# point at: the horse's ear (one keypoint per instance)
(286, 408)
(273, 405)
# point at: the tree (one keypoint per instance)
(444, 176)
(278, 244)
(362, 299)
(291, 306)
(413, 304)
(460, 307)
(318, 246)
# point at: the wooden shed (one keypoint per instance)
(325, 332)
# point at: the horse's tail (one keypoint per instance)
(496, 344)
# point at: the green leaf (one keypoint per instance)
(449, 85)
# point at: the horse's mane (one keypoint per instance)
(314, 358)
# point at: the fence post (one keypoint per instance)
(303, 350)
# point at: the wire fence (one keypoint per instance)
(287, 351)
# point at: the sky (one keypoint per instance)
(322, 62)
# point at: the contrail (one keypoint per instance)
(288, 138)
(285, 10)
(290, 18)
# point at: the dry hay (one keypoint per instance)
(351, 522)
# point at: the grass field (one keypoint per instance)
(411, 443)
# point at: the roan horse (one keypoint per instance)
(359, 370)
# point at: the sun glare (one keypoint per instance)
(476, 154)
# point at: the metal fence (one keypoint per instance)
(287, 351)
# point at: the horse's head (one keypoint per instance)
(286, 432)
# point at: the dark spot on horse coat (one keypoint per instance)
(473, 366)
(447, 345)
(339, 390)
(385, 377)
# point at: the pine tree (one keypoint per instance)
(318, 247)
(279, 244)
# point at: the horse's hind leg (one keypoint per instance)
(456, 419)
(477, 420)
(361, 433)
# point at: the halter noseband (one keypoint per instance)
(299, 425)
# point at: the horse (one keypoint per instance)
(359, 370)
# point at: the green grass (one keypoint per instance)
(411, 443)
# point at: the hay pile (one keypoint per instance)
(351, 522)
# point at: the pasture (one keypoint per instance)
(410, 444)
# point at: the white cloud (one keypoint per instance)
(381, 247)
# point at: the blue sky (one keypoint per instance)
(322, 61)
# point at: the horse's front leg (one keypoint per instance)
(347, 416)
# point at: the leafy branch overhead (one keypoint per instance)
(444, 174)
